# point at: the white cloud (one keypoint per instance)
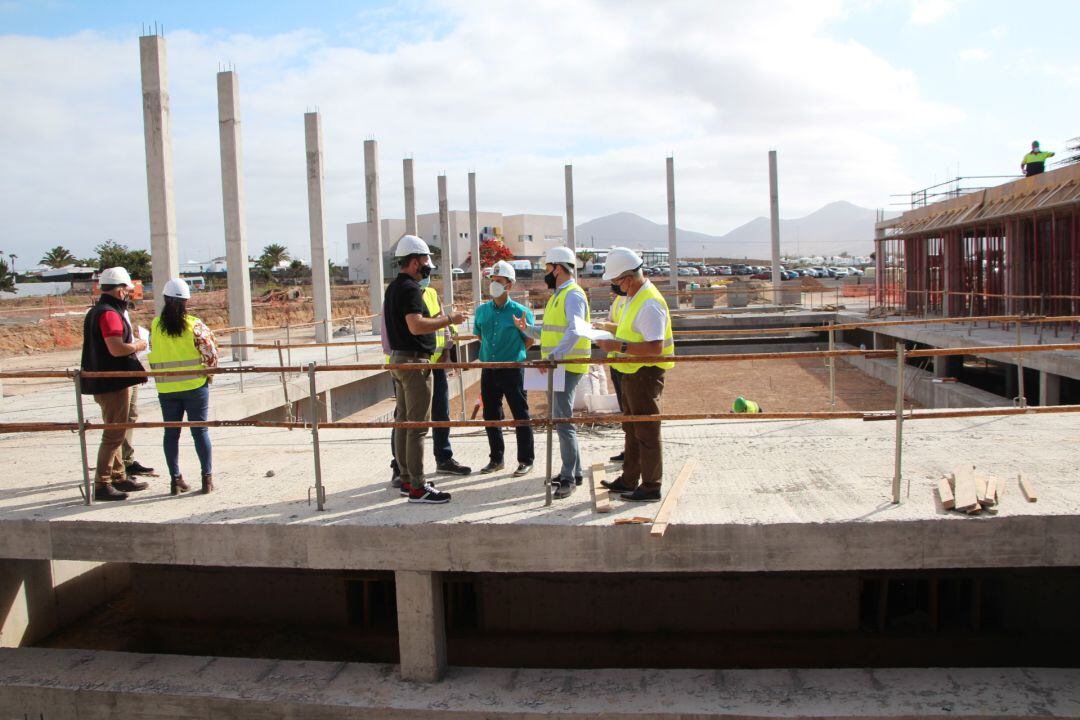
(927, 12)
(974, 55)
(512, 91)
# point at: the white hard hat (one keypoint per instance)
(177, 288)
(620, 260)
(411, 245)
(561, 255)
(115, 276)
(504, 269)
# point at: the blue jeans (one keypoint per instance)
(568, 444)
(196, 404)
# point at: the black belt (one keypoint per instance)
(411, 354)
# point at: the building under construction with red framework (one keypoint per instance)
(1010, 249)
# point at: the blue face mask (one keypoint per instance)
(425, 282)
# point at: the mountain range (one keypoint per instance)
(835, 228)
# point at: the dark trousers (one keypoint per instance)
(509, 383)
(196, 404)
(644, 458)
(616, 380)
(440, 410)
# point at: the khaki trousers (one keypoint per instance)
(644, 450)
(114, 409)
(127, 452)
(412, 389)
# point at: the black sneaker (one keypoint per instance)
(565, 489)
(492, 466)
(618, 458)
(137, 468)
(130, 484)
(616, 486)
(429, 495)
(641, 495)
(578, 479)
(523, 469)
(105, 491)
(453, 467)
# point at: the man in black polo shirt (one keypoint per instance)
(410, 333)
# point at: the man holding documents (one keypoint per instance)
(644, 330)
(502, 341)
(560, 338)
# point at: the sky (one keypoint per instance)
(863, 101)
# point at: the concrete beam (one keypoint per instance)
(320, 268)
(1049, 388)
(421, 625)
(774, 225)
(672, 250)
(447, 269)
(410, 196)
(232, 198)
(159, 174)
(474, 241)
(375, 238)
(571, 239)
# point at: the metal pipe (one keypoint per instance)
(240, 365)
(326, 334)
(355, 347)
(832, 366)
(284, 383)
(899, 420)
(288, 341)
(1020, 366)
(320, 492)
(88, 489)
(550, 428)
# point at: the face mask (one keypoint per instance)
(425, 282)
(615, 289)
(497, 289)
(549, 280)
(425, 271)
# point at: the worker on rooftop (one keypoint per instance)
(1034, 162)
(559, 340)
(410, 335)
(645, 331)
(502, 341)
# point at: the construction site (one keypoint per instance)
(895, 535)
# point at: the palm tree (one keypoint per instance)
(272, 256)
(58, 257)
(7, 280)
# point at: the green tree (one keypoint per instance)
(7, 279)
(272, 256)
(113, 254)
(58, 257)
(584, 256)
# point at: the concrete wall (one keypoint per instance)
(546, 232)
(358, 236)
(921, 388)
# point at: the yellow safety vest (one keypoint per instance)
(175, 354)
(626, 332)
(555, 326)
(431, 302)
(618, 307)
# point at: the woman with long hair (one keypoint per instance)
(181, 342)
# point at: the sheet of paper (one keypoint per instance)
(143, 334)
(584, 329)
(536, 380)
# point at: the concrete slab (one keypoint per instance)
(768, 496)
(87, 684)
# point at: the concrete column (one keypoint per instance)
(1049, 388)
(672, 251)
(774, 225)
(447, 245)
(320, 269)
(474, 241)
(159, 175)
(421, 625)
(232, 198)
(410, 196)
(375, 238)
(940, 367)
(571, 239)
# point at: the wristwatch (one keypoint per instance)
(623, 348)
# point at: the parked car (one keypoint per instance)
(838, 272)
(723, 270)
(855, 271)
(684, 271)
(788, 274)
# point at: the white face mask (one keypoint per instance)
(497, 289)
(425, 282)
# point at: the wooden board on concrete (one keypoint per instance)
(667, 507)
(601, 501)
(966, 496)
(1028, 488)
(989, 498)
(945, 494)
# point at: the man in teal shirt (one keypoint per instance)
(501, 341)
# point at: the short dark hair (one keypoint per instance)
(109, 287)
(403, 261)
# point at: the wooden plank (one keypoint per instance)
(980, 488)
(989, 496)
(966, 497)
(945, 494)
(601, 502)
(667, 507)
(1028, 488)
(633, 521)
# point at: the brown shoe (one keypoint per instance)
(207, 484)
(105, 491)
(130, 484)
(177, 485)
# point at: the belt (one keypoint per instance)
(410, 354)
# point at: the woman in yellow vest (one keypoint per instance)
(180, 342)
(644, 331)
